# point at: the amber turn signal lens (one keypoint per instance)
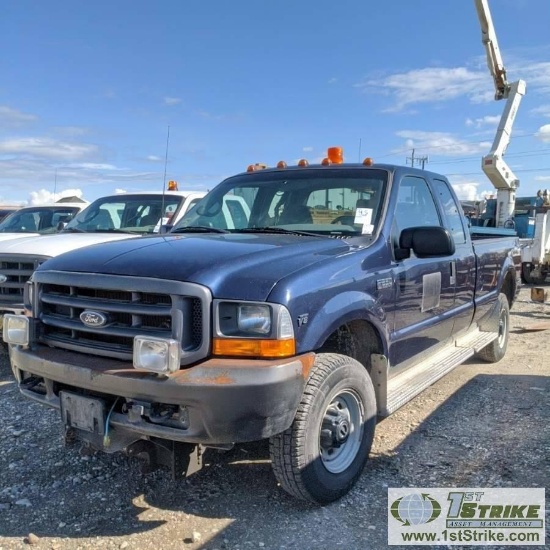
(248, 347)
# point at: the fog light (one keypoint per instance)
(16, 329)
(156, 354)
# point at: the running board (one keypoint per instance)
(408, 384)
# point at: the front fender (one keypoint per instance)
(341, 309)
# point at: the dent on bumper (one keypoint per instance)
(228, 400)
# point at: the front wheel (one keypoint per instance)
(321, 456)
(496, 350)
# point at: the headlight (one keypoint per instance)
(252, 329)
(16, 329)
(156, 354)
(255, 319)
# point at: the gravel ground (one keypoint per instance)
(480, 426)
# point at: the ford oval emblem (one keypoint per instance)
(3, 278)
(93, 319)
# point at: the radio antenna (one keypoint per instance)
(164, 178)
(166, 157)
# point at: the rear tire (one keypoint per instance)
(496, 350)
(321, 456)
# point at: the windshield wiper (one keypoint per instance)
(197, 229)
(72, 230)
(275, 230)
(114, 231)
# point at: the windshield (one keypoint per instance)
(332, 202)
(37, 220)
(143, 213)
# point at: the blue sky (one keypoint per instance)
(89, 89)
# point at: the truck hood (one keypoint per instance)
(232, 266)
(52, 245)
(10, 236)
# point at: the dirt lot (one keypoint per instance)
(482, 425)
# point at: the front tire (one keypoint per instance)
(321, 456)
(496, 350)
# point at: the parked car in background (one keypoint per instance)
(39, 220)
(7, 210)
(111, 218)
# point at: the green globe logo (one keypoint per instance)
(415, 509)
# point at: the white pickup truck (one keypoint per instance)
(38, 220)
(110, 218)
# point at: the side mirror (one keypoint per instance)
(425, 242)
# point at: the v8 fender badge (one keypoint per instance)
(93, 319)
(3, 278)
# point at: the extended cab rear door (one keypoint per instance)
(423, 316)
(463, 263)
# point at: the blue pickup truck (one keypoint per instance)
(342, 293)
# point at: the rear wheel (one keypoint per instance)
(496, 350)
(321, 456)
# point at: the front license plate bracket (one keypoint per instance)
(82, 412)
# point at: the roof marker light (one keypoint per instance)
(257, 166)
(281, 164)
(368, 161)
(303, 163)
(172, 185)
(336, 155)
(326, 162)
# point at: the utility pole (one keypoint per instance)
(419, 160)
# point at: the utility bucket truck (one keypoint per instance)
(528, 216)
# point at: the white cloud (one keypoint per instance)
(92, 166)
(154, 158)
(12, 117)
(432, 84)
(210, 116)
(439, 84)
(307, 149)
(543, 110)
(170, 101)
(47, 148)
(544, 133)
(71, 131)
(439, 143)
(466, 191)
(469, 191)
(542, 178)
(120, 191)
(332, 81)
(487, 120)
(537, 75)
(44, 196)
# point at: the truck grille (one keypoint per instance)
(131, 306)
(17, 269)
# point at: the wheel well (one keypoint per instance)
(357, 339)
